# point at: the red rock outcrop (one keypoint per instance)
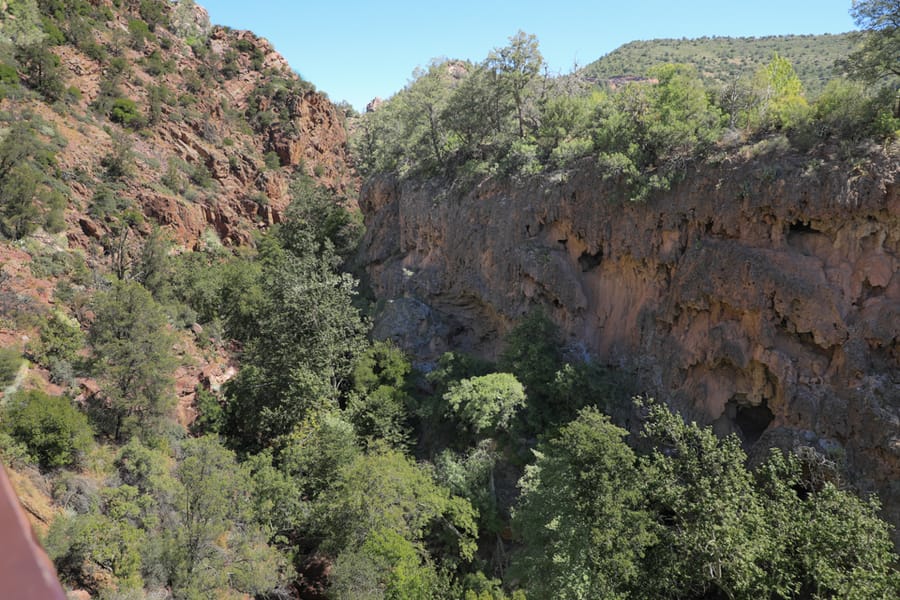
(760, 296)
(201, 124)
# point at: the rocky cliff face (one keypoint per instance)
(761, 296)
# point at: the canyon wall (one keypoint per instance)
(760, 296)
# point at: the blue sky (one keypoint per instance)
(355, 50)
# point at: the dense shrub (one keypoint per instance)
(125, 111)
(56, 433)
(10, 361)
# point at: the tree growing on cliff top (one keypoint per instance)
(515, 66)
(879, 54)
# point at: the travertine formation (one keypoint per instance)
(761, 296)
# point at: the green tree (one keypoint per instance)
(824, 542)
(378, 404)
(89, 548)
(20, 214)
(533, 354)
(21, 23)
(214, 543)
(581, 515)
(779, 101)
(56, 433)
(301, 347)
(487, 404)
(41, 69)
(647, 134)
(714, 536)
(316, 450)
(471, 475)
(386, 491)
(10, 361)
(515, 67)
(132, 352)
(426, 100)
(386, 566)
(475, 115)
(152, 268)
(60, 339)
(877, 56)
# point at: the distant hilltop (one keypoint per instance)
(723, 59)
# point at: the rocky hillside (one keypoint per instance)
(761, 295)
(212, 122)
(125, 116)
(145, 114)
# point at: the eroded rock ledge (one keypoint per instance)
(760, 296)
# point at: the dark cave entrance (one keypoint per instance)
(751, 420)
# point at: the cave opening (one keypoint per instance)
(752, 420)
(589, 261)
(799, 226)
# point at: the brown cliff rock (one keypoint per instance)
(202, 123)
(761, 298)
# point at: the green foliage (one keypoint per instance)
(386, 491)
(41, 69)
(155, 65)
(714, 517)
(825, 542)
(852, 111)
(514, 68)
(456, 114)
(214, 543)
(154, 12)
(145, 469)
(488, 404)
(301, 340)
(649, 133)
(125, 111)
(26, 183)
(316, 211)
(378, 406)
(60, 339)
(55, 432)
(10, 361)
(778, 97)
(722, 60)
(581, 514)
(152, 268)
(133, 361)
(533, 354)
(21, 25)
(107, 202)
(277, 502)
(93, 546)
(20, 214)
(8, 74)
(272, 160)
(120, 159)
(470, 475)
(876, 56)
(210, 414)
(316, 450)
(688, 520)
(386, 566)
(140, 33)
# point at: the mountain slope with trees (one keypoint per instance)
(721, 60)
(196, 405)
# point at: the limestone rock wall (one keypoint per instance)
(760, 296)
